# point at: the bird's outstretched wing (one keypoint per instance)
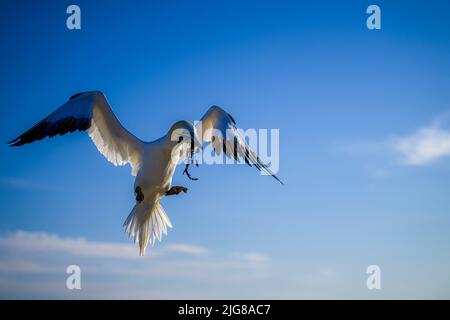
(219, 128)
(89, 111)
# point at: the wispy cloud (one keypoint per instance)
(424, 146)
(33, 266)
(39, 255)
(185, 248)
(251, 257)
(43, 242)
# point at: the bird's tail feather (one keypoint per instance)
(145, 223)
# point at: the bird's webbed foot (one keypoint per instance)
(139, 194)
(176, 190)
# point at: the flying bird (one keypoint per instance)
(153, 163)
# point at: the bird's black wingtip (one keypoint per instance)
(14, 143)
(278, 179)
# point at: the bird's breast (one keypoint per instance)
(155, 175)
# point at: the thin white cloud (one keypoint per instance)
(185, 248)
(35, 256)
(423, 147)
(253, 257)
(50, 243)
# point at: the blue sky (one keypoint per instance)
(364, 148)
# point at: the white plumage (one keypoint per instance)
(153, 163)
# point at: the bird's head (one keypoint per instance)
(183, 132)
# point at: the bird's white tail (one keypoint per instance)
(146, 222)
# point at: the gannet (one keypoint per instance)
(153, 163)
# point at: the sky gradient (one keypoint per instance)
(364, 120)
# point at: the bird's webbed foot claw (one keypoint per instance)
(176, 190)
(139, 194)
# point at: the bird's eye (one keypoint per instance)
(180, 139)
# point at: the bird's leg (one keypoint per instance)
(186, 171)
(139, 194)
(176, 190)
